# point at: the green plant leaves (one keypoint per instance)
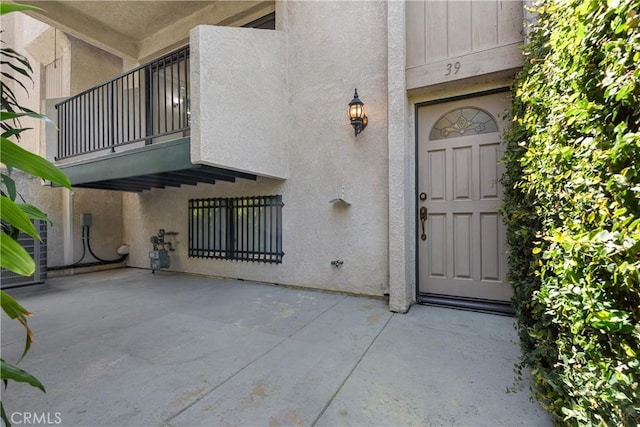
(16, 157)
(14, 257)
(15, 7)
(10, 115)
(3, 415)
(14, 310)
(10, 187)
(572, 209)
(16, 217)
(33, 212)
(10, 372)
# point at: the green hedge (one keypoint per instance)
(572, 208)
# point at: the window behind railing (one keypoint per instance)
(241, 228)
(148, 102)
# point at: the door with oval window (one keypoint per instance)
(461, 237)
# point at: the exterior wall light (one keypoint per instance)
(357, 116)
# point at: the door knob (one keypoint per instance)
(423, 218)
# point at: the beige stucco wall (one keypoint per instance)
(323, 68)
(86, 66)
(240, 118)
(18, 31)
(326, 63)
(274, 103)
(106, 231)
(402, 229)
(91, 66)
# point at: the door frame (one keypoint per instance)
(475, 304)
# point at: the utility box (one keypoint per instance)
(159, 256)
(159, 259)
(87, 219)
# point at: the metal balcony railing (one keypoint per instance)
(144, 104)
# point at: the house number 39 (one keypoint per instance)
(452, 68)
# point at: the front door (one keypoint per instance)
(461, 241)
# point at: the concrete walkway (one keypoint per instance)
(128, 348)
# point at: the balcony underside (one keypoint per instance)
(154, 166)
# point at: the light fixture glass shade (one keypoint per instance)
(357, 117)
(356, 111)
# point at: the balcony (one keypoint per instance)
(202, 113)
(147, 105)
(141, 121)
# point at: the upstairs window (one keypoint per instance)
(267, 22)
(240, 228)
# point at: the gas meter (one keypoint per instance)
(159, 256)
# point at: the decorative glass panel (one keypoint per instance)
(463, 122)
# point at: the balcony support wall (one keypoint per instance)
(240, 119)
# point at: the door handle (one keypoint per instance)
(423, 218)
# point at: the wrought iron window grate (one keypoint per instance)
(240, 228)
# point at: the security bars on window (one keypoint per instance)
(241, 228)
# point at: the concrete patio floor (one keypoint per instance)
(128, 348)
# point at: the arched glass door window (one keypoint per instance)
(463, 122)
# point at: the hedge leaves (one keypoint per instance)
(572, 207)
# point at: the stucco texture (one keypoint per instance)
(323, 66)
(106, 231)
(91, 66)
(401, 169)
(240, 119)
(104, 206)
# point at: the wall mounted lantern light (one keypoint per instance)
(357, 116)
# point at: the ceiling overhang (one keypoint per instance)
(160, 165)
(138, 30)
